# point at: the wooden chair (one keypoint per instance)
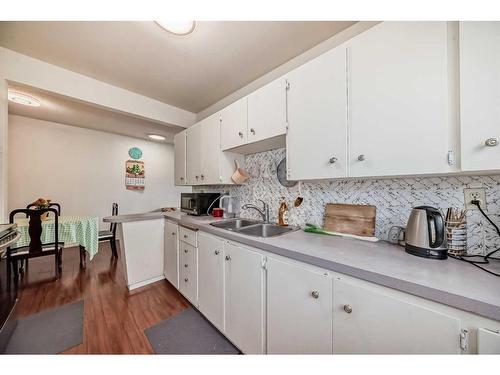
(110, 235)
(36, 248)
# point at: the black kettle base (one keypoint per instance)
(426, 253)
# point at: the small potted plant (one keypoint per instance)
(40, 204)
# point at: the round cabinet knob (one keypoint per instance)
(185, 266)
(240, 134)
(491, 142)
(228, 257)
(202, 177)
(182, 178)
(186, 280)
(185, 236)
(361, 157)
(216, 252)
(185, 250)
(348, 309)
(173, 233)
(252, 130)
(332, 160)
(315, 294)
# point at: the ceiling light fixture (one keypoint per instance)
(177, 27)
(23, 99)
(156, 137)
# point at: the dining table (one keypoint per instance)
(73, 230)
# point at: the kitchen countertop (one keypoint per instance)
(450, 281)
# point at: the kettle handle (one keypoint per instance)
(435, 215)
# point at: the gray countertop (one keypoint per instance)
(450, 281)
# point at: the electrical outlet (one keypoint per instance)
(478, 194)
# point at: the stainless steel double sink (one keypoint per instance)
(253, 227)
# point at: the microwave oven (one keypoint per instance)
(198, 203)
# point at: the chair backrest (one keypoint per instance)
(114, 212)
(57, 205)
(35, 226)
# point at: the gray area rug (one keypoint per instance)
(48, 332)
(188, 333)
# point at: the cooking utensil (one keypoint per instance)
(311, 228)
(240, 175)
(281, 174)
(353, 219)
(298, 201)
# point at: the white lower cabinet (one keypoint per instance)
(245, 298)
(171, 257)
(188, 273)
(368, 319)
(211, 279)
(299, 309)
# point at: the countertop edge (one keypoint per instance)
(134, 217)
(453, 300)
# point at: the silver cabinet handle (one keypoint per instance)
(332, 160)
(186, 280)
(491, 142)
(315, 294)
(252, 130)
(240, 134)
(361, 157)
(216, 252)
(185, 266)
(185, 250)
(228, 257)
(348, 309)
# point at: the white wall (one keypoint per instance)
(84, 170)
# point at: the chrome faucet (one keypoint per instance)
(264, 212)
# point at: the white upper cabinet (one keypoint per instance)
(299, 309)
(210, 150)
(180, 158)
(267, 111)
(398, 100)
(193, 154)
(317, 118)
(480, 95)
(234, 120)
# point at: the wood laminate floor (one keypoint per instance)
(114, 318)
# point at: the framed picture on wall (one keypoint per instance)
(134, 175)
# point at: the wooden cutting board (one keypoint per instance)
(350, 218)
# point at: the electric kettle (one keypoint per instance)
(425, 233)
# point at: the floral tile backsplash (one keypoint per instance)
(393, 197)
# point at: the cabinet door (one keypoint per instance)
(480, 94)
(299, 309)
(180, 158)
(211, 279)
(210, 150)
(398, 100)
(193, 154)
(188, 272)
(378, 320)
(234, 124)
(171, 264)
(244, 309)
(267, 111)
(317, 118)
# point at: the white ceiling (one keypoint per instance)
(191, 72)
(60, 109)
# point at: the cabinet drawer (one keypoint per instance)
(188, 272)
(188, 236)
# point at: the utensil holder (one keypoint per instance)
(456, 236)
